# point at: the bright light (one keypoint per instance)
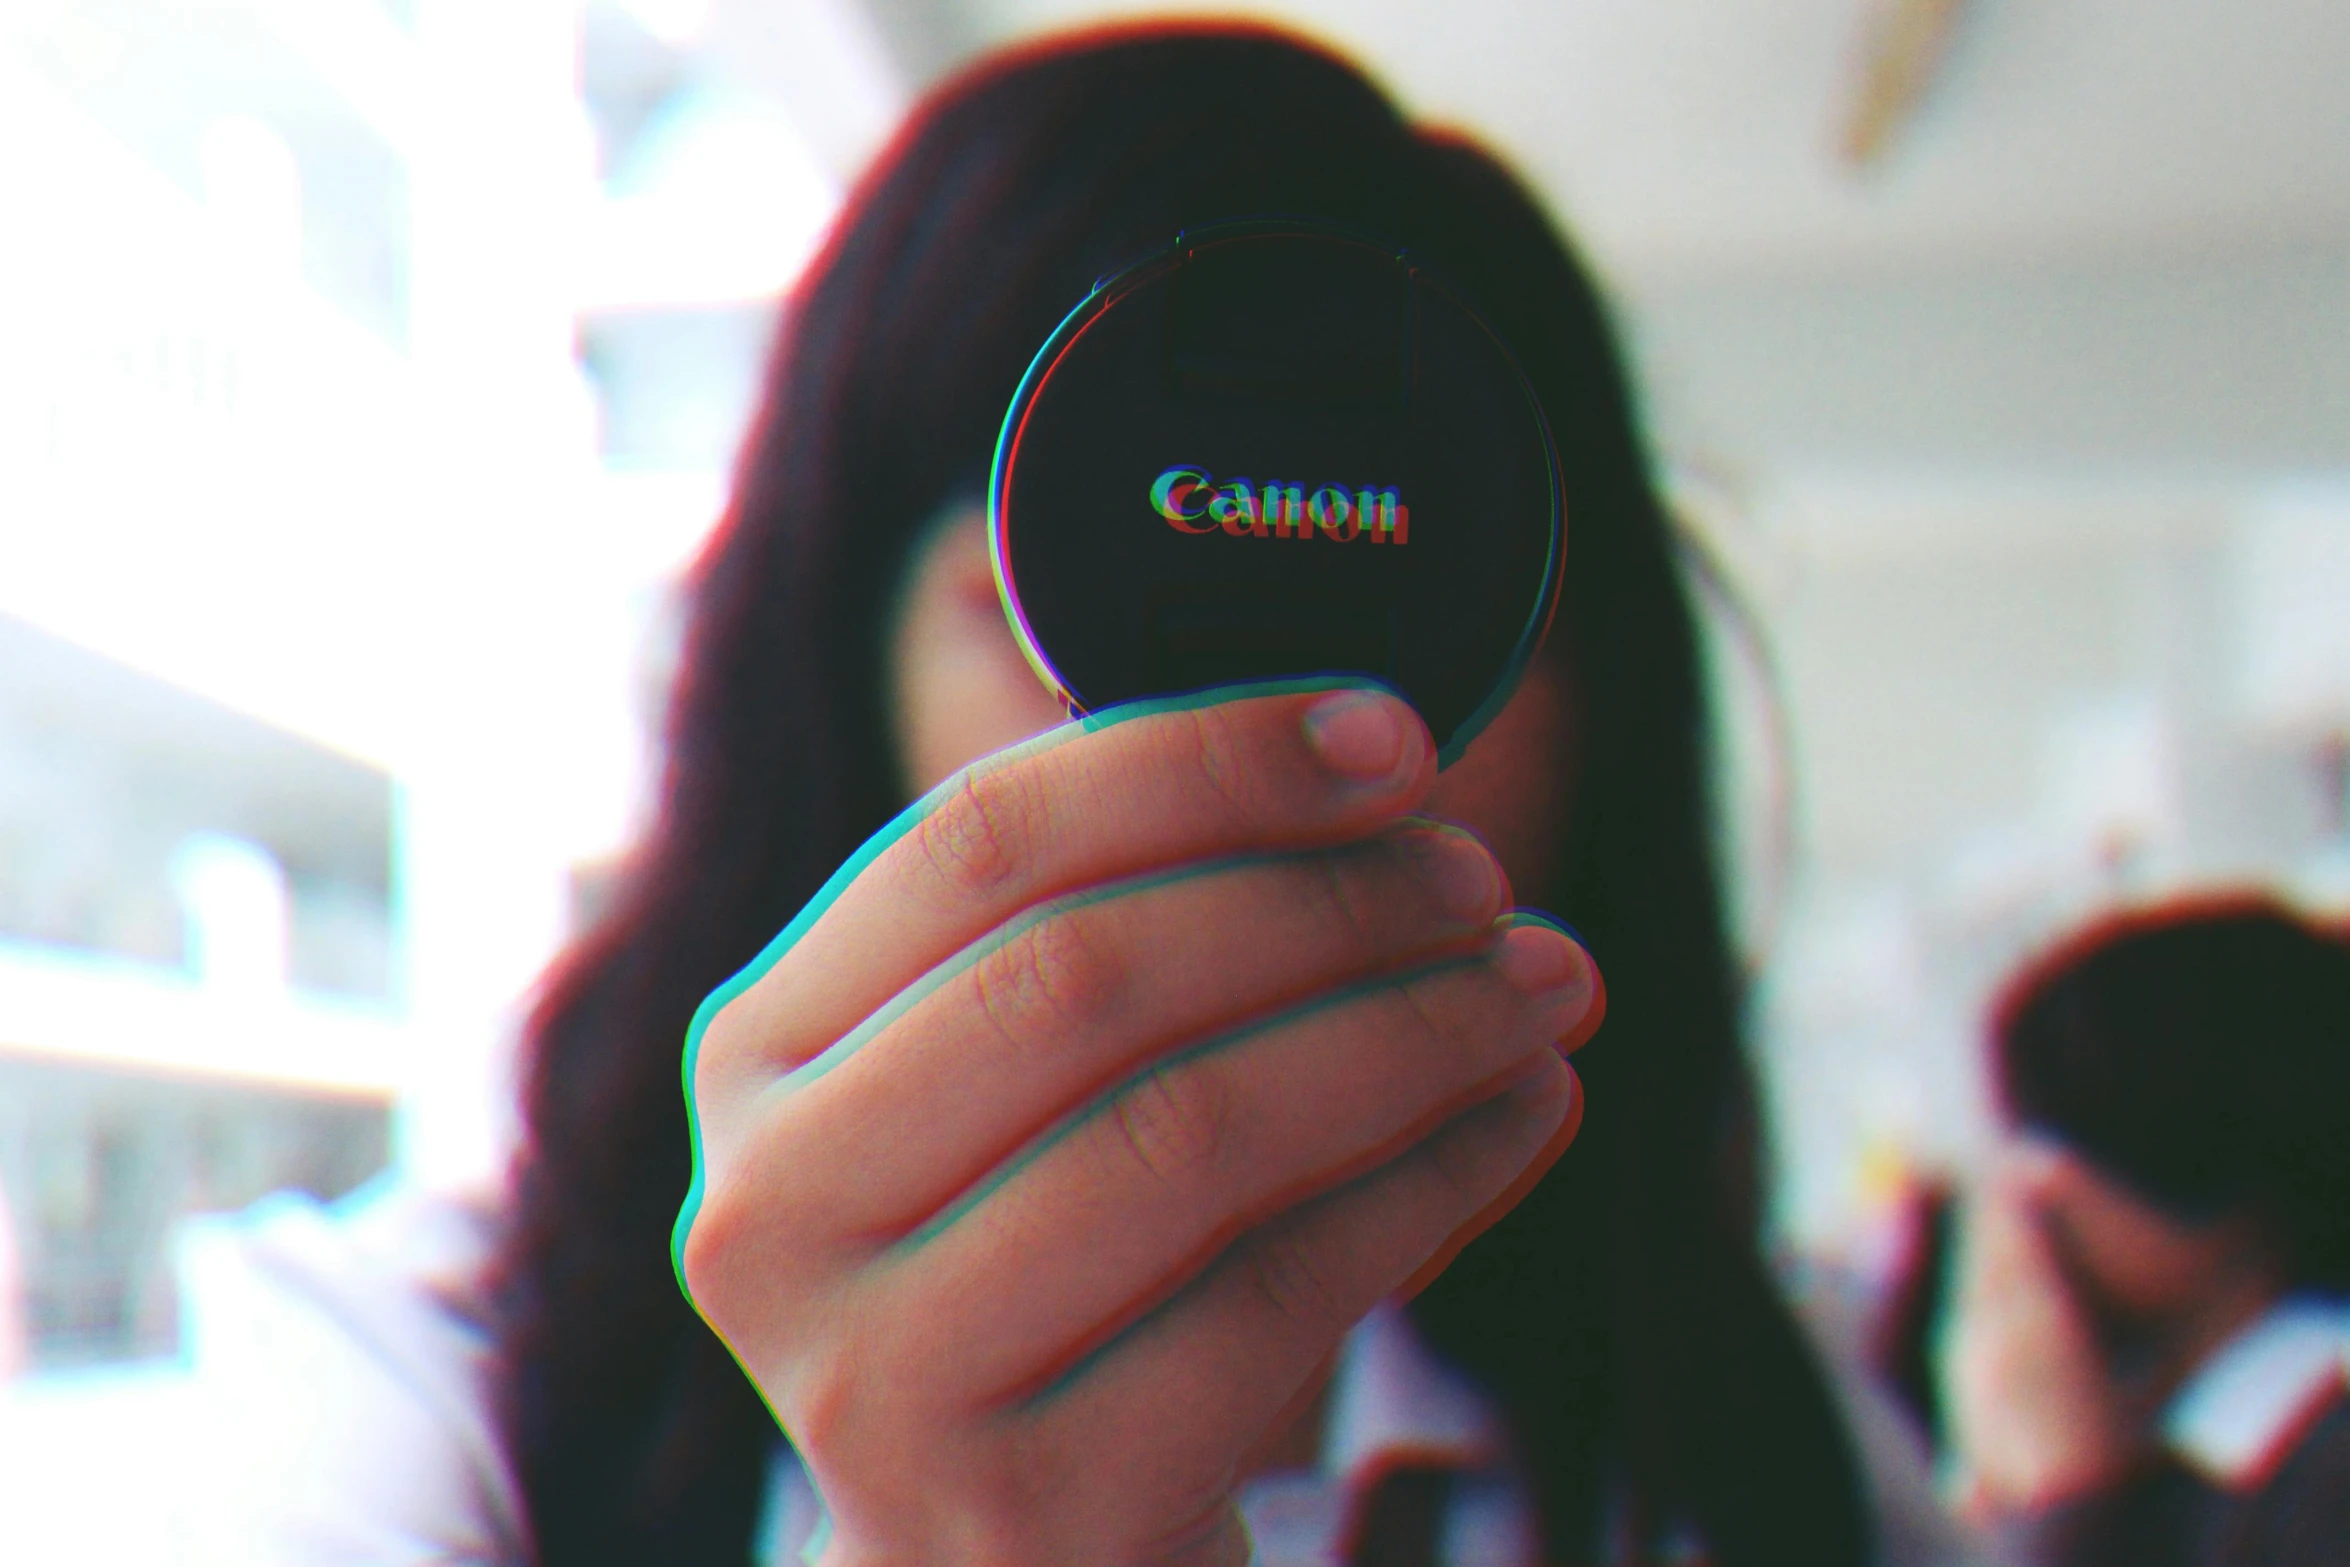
(253, 195)
(720, 202)
(677, 23)
(233, 892)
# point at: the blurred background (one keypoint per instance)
(369, 370)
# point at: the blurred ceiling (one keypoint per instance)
(1700, 139)
(2109, 236)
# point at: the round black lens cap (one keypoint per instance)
(1278, 449)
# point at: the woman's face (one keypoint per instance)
(962, 689)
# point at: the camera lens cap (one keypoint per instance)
(1278, 449)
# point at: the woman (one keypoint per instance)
(845, 653)
(2147, 1363)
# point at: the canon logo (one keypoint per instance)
(1193, 502)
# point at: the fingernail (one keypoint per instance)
(1460, 872)
(1540, 961)
(1365, 735)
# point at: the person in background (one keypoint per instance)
(2146, 1360)
(1605, 1375)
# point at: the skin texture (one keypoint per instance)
(1174, 1045)
(2066, 1274)
(963, 690)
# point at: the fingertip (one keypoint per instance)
(1562, 1136)
(1545, 917)
(1576, 1037)
(1533, 958)
(1468, 882)
(1540, 1089)
(1543, 1087)
(1368, 736)
(1580, 980)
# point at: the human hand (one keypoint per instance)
(2034, 1412)
(1044, 1166)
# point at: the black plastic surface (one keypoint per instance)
(1401, 516)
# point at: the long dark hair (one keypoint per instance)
(2198, 1050)
(1621, 1315)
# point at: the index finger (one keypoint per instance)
(1115, 795)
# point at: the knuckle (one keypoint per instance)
(1207, 1532)
(1423, 1005)
(979, 840)
(1338, 889)
(716, 1239)
(844, 1392)
(699, 1260)
(1177, 1124)
(1058, 975)
(1293, 1279)
(1029, 1481)
(726, 1040)
(1462, 1005)
(823, 1404)
(999, 1529)
(1213, 749)
(1460, 1160)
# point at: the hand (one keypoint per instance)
(2034, 1412)
(1045, 1166)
